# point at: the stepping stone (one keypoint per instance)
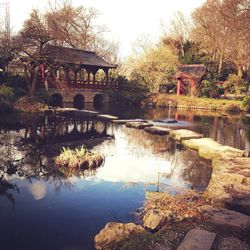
(125, 121)
(85, 113)
(197, 143)
(167, 121)
(197, 239)
(184, 134)
(226, 218)
(155, 130)
(107, 117)
(138, 125)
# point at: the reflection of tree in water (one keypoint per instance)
(29, 154)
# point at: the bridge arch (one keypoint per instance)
(56, 100)
(98, 101)
(78, 101)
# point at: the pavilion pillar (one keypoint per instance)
(193, 87)
(179, 87)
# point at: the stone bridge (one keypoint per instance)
(73, 97)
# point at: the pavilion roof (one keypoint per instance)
(195, 71)
(75, 56)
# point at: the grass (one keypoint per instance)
(78, 158)
(161, 100)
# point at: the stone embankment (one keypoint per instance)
(223, 207)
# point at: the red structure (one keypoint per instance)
(188, 78)
(63, 67)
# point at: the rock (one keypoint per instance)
(138, 125)
(125, 121)
(107, 117)
(65, 111)
(215, 152)
(230, 181)
(210, 149)
(155, 130)
(167, 121)
(184, 134)
(197, 143)
(114, 233)
(85, 113)
(226, 218)
(197, 239)
(232, 243)
(153, 220)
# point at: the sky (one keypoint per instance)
(126, 19)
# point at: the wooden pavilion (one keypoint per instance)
(64, 67)
(188, 78)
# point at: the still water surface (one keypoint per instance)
(43, 207)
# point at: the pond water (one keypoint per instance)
(45, 207)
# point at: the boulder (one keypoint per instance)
(153, 220)
(114, 233)
(138, 125)
(197, 239)
(226, 218)
(230, 181)
(155, 130)
(184, 134)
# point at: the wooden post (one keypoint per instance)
(179, 86)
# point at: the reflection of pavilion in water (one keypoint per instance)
(230, 130)
(58, 130)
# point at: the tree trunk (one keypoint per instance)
(220, 65)
(34, 82)
(239, 68)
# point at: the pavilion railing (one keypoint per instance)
(83, 84)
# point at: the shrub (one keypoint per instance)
(235, 85)
(210, 89)
(79, 158)
(246, 102)
(7, 98)
(233, 109)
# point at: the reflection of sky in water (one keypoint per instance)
(127, 162)
(56, 213)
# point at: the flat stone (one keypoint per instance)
(115, 232)
(220, 151)
(65, 111)
(155, 130)
(197, 143)
(184, 134)
(167, 121)
(138, 125)
(107, 117)
(85, 113)
(230, 181)
(153, 220)
(125, 121)
(226, 218)
(197, 239)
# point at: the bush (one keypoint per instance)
(235, 85)
(129, 93)
(210, 89)
(246, 102)
(42, 96)
(7, 98)
(233, 109)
